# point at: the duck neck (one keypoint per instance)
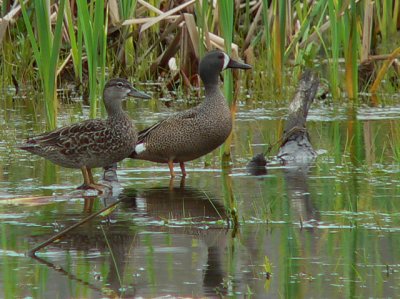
(115, 109)
(213, 94)
(209, 76)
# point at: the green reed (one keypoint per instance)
(333, 58)
(226, 10)
(93, 21)
(203, 12)
(309, 16)
(278, 40)
(387, 12)
(75, 43)
(290, 35)
(351, 42)
(268, 55)
(344, 41)
(127, 11)
(230, 202)
(226, 24)
(46, 50)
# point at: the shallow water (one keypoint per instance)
(326, 230)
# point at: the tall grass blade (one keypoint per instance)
(76, 46)
(267, 33)
(351, 54)
(278, 33)
(335, 47)
(202, 11)
(93, 26)
(46, 52)
(126, 11)
(226, 22)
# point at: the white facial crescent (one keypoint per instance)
(226, 60)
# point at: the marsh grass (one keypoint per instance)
(230, 201)
(75, 43)
(92, 20)
(46, 50)
(226, 13)
(278, 35)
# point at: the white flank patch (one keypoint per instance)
(226, 60)
(140, 148)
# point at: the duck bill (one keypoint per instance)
(138, 94)
(233, 64)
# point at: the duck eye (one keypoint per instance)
(120, 84)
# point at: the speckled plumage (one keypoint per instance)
(92, 143)
(190, 134)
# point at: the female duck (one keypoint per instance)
(92, 143)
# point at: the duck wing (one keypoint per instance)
(143, 135)
(85, 132)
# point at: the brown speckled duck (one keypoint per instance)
(95, 142)
(190, 134)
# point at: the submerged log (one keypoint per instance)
(296, 145)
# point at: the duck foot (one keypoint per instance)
(93, 186)
(89, 183)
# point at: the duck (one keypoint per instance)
(190, 134)
(95, 142)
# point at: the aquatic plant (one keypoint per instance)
(75, 43)
(226, 24)
(91, 18)
(280, 35)
(46, 50)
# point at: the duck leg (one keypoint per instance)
(88, 181)
(171, 168)
(93, 184)
(182, 165)
(89, 171)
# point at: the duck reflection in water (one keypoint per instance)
(187, 211)
(183, 215)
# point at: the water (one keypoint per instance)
(327, 230)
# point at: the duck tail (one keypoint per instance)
(29, 146)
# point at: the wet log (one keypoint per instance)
(296, 145)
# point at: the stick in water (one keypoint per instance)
(32, 252)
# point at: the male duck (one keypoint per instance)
(190, 134)
(92, 143)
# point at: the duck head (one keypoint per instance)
(116, 90)
(214, 62)
(121, 88)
